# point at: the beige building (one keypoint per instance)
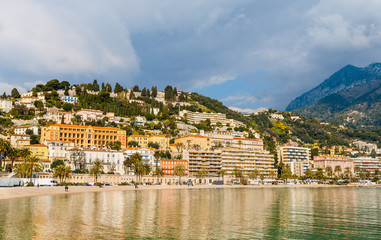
(140, 139)
(89, 114)
(247, 161)
(20, 140)
(162, 140)
(84, 136)
(5, 105)
(203, 160)
(297, 158)
(196, 117)
(194, 142)
(56, 115)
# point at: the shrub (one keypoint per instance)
(30, 184)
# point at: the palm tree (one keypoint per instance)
(96, 169)
(286, 172)
(59, 172)
(158, 173)
(67, 172)
(272, 174)
(338, 169)
(157, 156)
(348, 172)
(222, 173)
(202, 173)
(254, 174)
(34, 165)
(179, 170)
(4, 147)
(328, 171)
(238, 173)
(22, 169)
(140, 168)
(13, 154)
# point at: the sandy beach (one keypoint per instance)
(19, 192)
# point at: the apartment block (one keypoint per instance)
(247, 161)
(162, 140)
(324, 161)
(194, 142)
(69, 99)
(367, 163)
(22, 130)
(203, 160)
(20, 140)
(5, 105)
(197, 117)
(56, 115)
(84, 136)
(297, 158)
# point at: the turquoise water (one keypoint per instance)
(256, 213)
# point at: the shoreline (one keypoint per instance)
(21, 192)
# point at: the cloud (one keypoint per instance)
(243, 110)
(242, 98)
(214, 80)
(7, 88)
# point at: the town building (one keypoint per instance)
(297, 158)
(161, 140)
(57, 116)
(39, 150)
(367, 163)
(5, 105)
(112, 160)
(146, 153)
(20, 140)
(84, 136)
(90, 115)
(69, 99)
(168, 166)
(247, 161)
(140, 139)
(22, 130)
(58, 150)
(332, 161)
(194, 142)
(139, 121)
(197, 117)
(198, 160)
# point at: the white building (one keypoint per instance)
(112, 160)
(5, 105)
(276, 116)
(69, 99)
(22, 130)
(89, 115)
(146, 153)
(58, 150)
(367, 163)
(298, 158)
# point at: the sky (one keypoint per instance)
(247, 54)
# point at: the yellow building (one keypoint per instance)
(162, 140)
(84, 136)
(194, 142)
(20, 140)
(39, 150)
(140, 139)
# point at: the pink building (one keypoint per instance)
(344, 162)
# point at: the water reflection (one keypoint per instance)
(280, 213)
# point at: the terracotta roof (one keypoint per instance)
(137, 135)
(82, 126)
(159, 135)
(248, 139)
(36, 145)
(21, 135)
(196, 136)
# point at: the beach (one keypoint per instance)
(20, 192)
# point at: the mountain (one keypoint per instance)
(351, 96)
(346, 78)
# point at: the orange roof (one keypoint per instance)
(26, 135)
(248, 139)
(138, 148)
(158, 135)
(196, 136)
(81, 126)
(37, 145)
(137, 135)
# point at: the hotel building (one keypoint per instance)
(168, 166)
(324, 161)
(84, 136)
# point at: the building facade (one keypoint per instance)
(68, 99)
(297, 158)
(20, 140)
(367, 163)
(5, 105)
(168, 166)
(343, 162)
(140, 139)
(161, 140)
(22, 130)
(84, 136)
(194, 142)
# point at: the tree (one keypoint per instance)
(34, 165)
(286, 172)
(67, 107)
(13, 154)
(59, 172)
(254, 174)
(96, 169)
(4, 147)
(133, 144)
(118, 88)
(154, 91)
(222, 173)
(136, 88)
(329, 171)
(15, 93)
(56, 163)
(272, 175)
(22, 170)
(39, 105)
(338, 170)
(348, 172)
(153, 145)
(179, 170)
(238, 173)
(77, 158)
